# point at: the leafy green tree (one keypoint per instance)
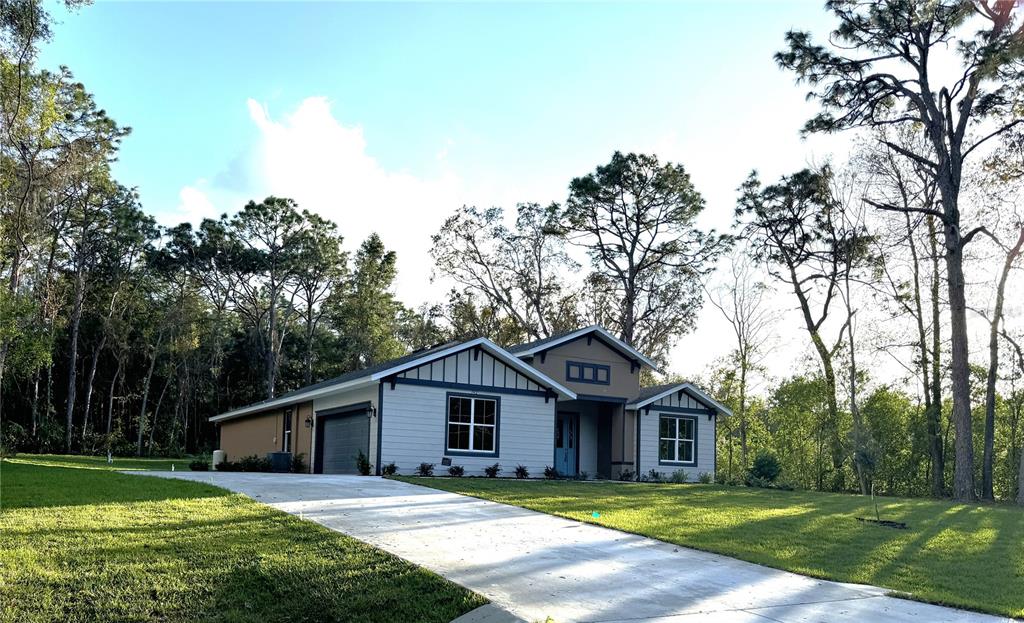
(266, 239)
(794, 228)
(367, 315)
(636, 218)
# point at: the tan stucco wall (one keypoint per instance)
(260, 433)
(623, 383)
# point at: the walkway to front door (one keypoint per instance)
(536, 565)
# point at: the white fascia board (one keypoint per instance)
(591, 329)
(689, 387)
(290, 400)
(492, 348)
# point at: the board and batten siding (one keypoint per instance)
(414, 423)
(650, 435)
(471, 368)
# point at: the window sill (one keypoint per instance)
(678, 463)
(480, 453)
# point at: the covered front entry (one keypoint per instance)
(341, 435)
(594, 437)
(567, 443)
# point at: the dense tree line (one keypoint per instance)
(119, 335)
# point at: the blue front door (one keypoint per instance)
(566, 439)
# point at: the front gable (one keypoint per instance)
(590, 367)
(470, 367)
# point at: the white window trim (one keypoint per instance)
(676, 439)
(472, 425)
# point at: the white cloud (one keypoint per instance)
(309, 155)
(193, 206)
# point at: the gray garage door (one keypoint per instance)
(343, 437)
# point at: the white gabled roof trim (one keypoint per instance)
(687, 387)
(616, 342)
(290, 400)
(495, 351)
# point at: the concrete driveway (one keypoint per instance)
(535, 565)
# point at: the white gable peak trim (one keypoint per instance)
(691, 389)
(495, 351)
(613, 341)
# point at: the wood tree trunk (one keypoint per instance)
(145, 394)
(1020, 481)
(110, 399)
(936, 438)
(988, 460)
(963, 467)
(76, 321)
(89, 385)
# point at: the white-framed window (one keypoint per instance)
(286, 437)
(472, 424)
(677, 439)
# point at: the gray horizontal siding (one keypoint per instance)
(414, 420)
(649, 435)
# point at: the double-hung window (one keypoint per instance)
(472, 424)
(677, 439)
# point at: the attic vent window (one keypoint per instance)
(595, 373)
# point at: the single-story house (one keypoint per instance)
(572, 401)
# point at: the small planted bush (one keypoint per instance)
(298, 465)
(425, 469)
(550, 473)
(389, 470)
(456, 471)
(704, 478)
(363, 463)
(627, 474)
(583, 476)
(199, 465)
(655, 476)
(522, 472)
(228, 466)
(253, 463)
(765, 469)
(492, 471)
(680, 476)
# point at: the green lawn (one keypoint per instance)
(92, 545)
(100, 462)
(959, 555)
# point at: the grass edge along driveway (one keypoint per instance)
(966, 556)
(82, 545)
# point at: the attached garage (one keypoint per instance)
(341, 434)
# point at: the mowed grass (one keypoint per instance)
(960, 555)
(100, 462)
(93, 545)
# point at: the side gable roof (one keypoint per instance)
(532, 348)
(385, 369)
(655, 393)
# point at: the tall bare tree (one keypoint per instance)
(740, 298)
(882, 67)
(519, 272)
(794, 228)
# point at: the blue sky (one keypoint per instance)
(387, 117)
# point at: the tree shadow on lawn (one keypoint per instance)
(25, 485)
(221, 558)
